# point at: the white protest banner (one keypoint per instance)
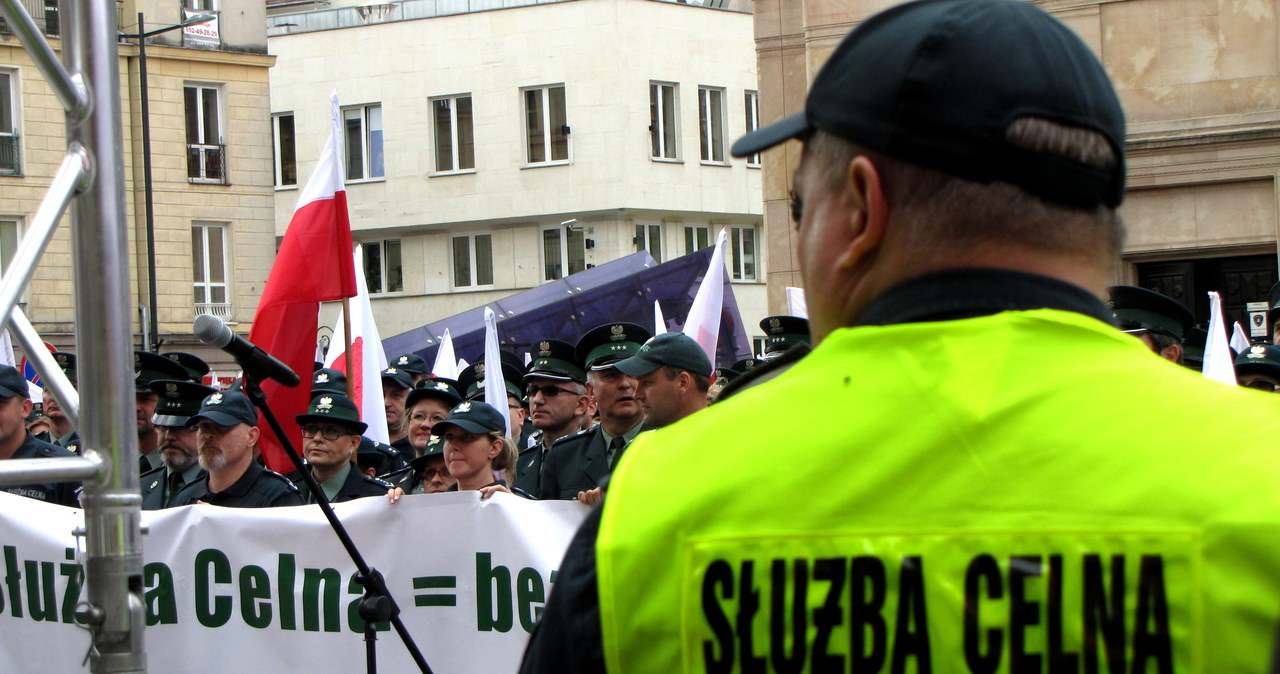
(271, 589)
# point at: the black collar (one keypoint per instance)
(954, 294)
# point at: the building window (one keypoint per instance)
(455, 144)
(363, 124)
(10, 231)
(382, 270)
(546, 125)
(209, 269)
(472, 260)
(10, 157)
(201, 5)
(286, 159)
(696, 237)
(742, 243)
(205, 152)
(649, 237)
(752, 107)
(711, 124)
(758, 344)
(563, 252)
(664, 130)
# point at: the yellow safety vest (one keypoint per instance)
(1029, 491)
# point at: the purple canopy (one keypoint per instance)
(621, 290)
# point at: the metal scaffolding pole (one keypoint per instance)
(87, 83)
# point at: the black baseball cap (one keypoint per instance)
(938, 83)
(334, 409)
(226, 408)
(12, 383)
(670, 348)
(472, 416)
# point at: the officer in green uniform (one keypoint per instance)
(396, 385)
(471, 385)
(226, 431)
(1158, 320)
(577, 464)
(426, 474)
(177, 402)
(149, 367)
(556, 388)
(17, 443)
(62, 432)
(376, 459)
(427, 405)
(331, 431)
(786, 342)
(973, 470)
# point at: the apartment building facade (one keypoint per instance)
(1200, 84)
(209, 131)
(494, 146)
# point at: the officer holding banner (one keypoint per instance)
(1004, 480)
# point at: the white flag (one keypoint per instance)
(659, 323)
(446, 364)
(1239, 341)
(368, 360)
(703, 322)
(796, 305)
(1217, 356)
(495, 388)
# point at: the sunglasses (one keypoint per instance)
(548, 391)
(326, 432)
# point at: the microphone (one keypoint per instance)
(259, 364)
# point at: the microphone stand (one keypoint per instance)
(377, 605)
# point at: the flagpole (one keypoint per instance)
(346, 338)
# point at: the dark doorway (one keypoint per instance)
(1240, 279)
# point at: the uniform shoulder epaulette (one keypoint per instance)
(572, 437)
(154, 471)
(278, 476)
(397, 474)
(380, 483)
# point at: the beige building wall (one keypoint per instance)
(1200, 84)
(605, 52)
(244, 203)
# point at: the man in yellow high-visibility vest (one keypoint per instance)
(974, 470)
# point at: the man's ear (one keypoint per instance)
(868, 213)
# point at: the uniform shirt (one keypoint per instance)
(579, 462)
(346, 485)
(257, 488)
(62, 493)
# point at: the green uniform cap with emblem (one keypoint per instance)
(333, 409)
(1138, 310)
(177, 401)
(195, 366)
(1261, 359)
(607, 344)
(440, 388)
(782, 333)
(471, 379)
(556, 360)
(675, 349)
(149, 367)
(400, 378)
(411, 363)
(12, 383)
(434, 448)
(226, 408)
(67, 363)
(328, 380)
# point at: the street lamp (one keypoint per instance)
(153, 324)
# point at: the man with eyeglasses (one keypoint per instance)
(1259, 368)
(556, 389)
(226, 431)
(178, 401)
(1159, 321)
(331, 431)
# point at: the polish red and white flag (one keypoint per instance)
(368, 360)
(314, 265)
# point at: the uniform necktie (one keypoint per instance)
(175, 485)
(615, 448)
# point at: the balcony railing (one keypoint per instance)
(10, 155)
(220, 309)
(207, 164)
